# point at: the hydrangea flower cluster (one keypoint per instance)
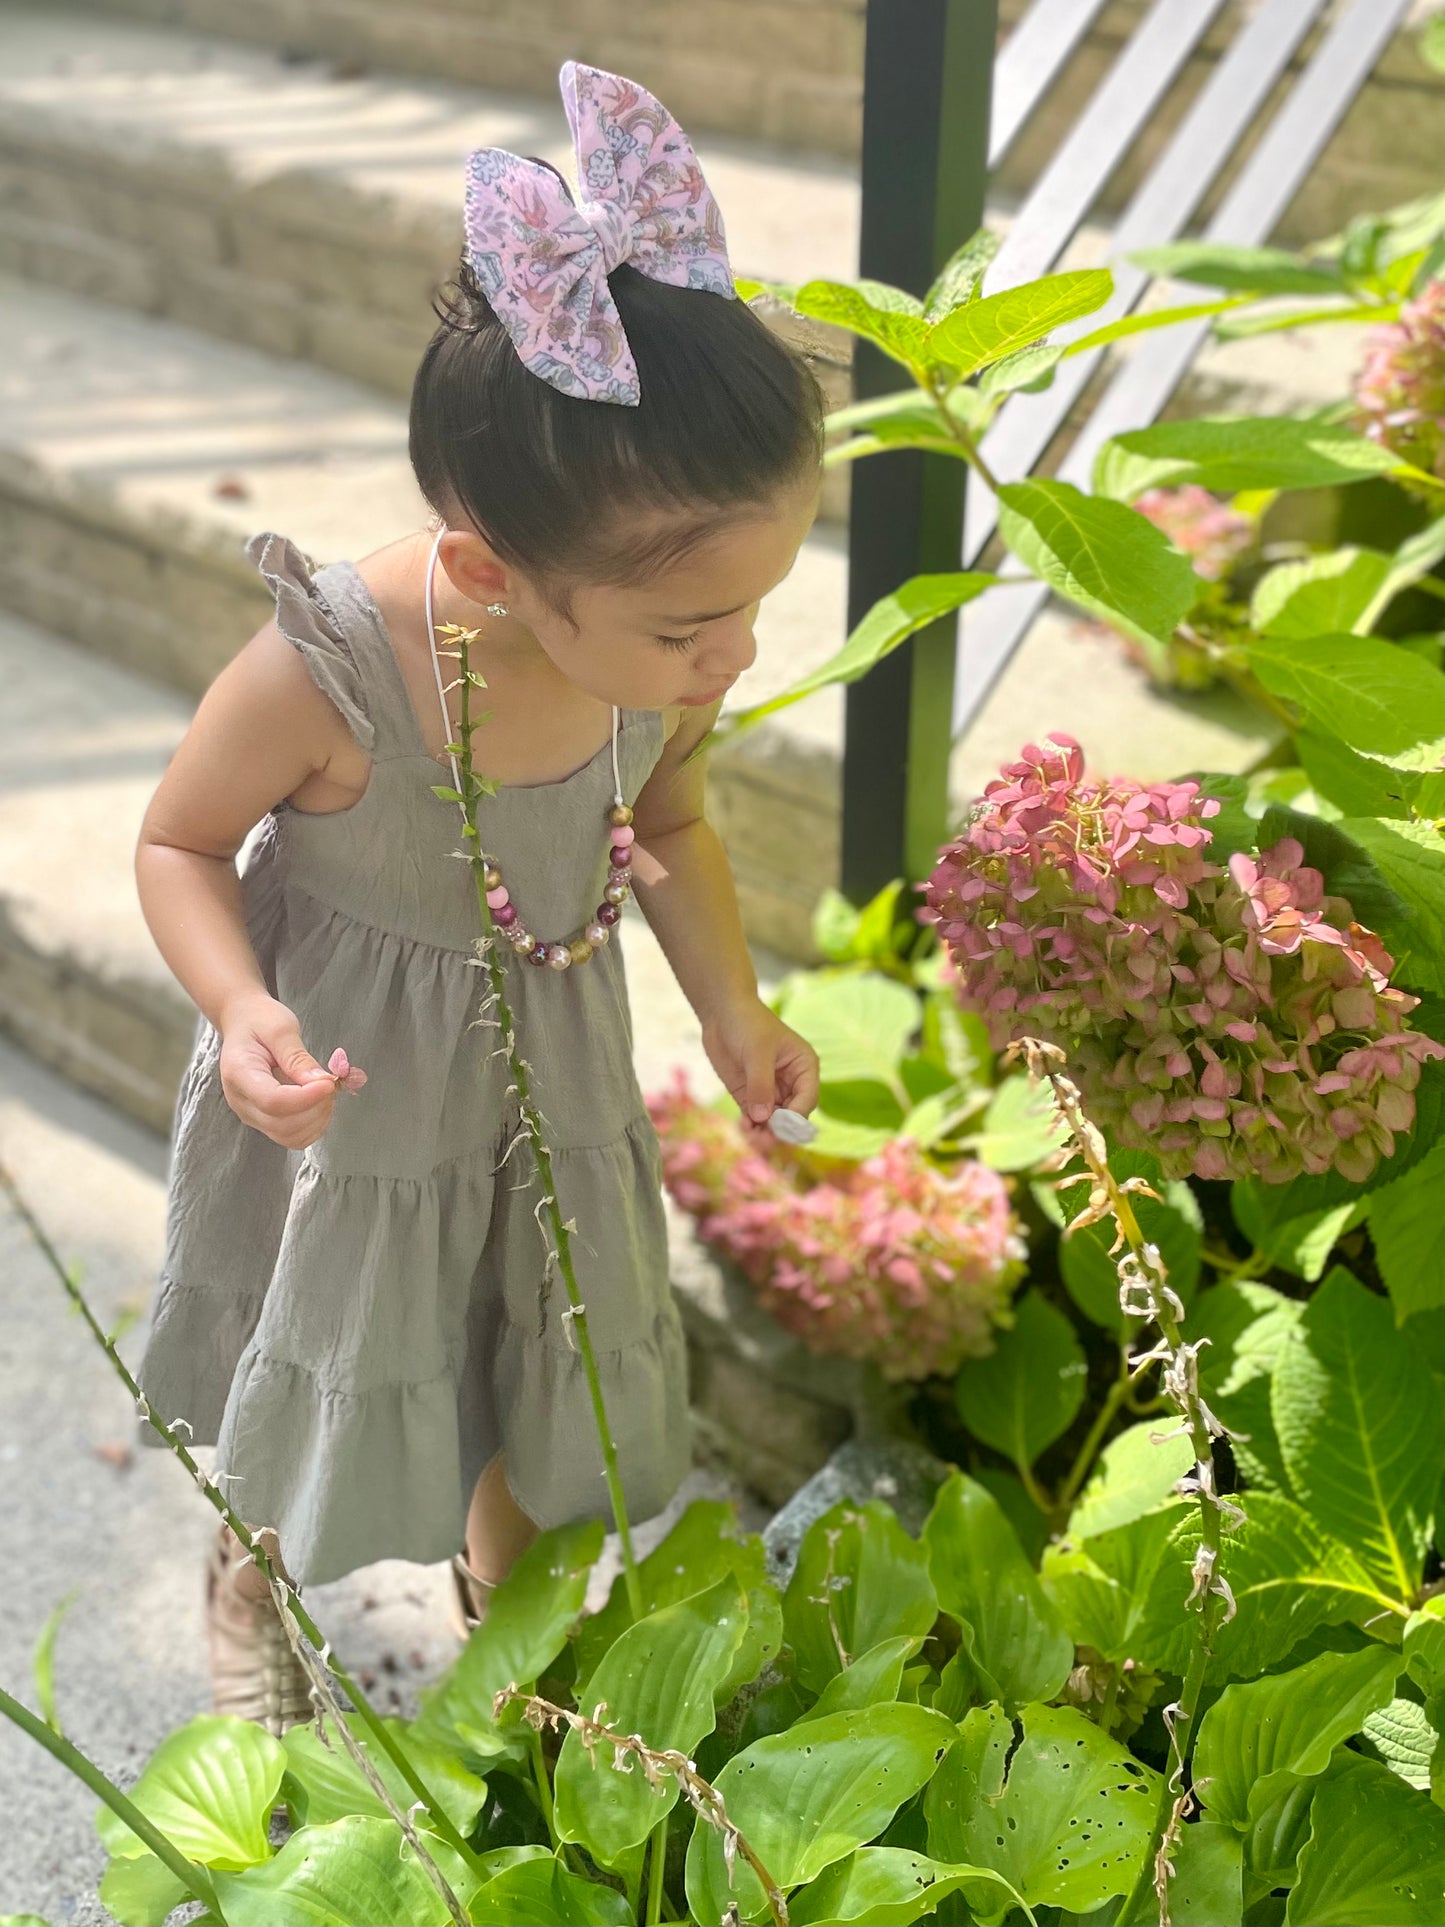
(1211, 533)
(895, 1259)
(1234, 1021)
(1400, 389)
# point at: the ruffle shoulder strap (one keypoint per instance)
(309, 625)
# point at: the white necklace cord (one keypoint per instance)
(442, 692)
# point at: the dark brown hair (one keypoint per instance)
(729, 415)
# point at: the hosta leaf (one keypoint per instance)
(1375, 1856)
(541, 1892)
(659, 1679)
(323, 1783)
(1405, 1740)
(885, 1887)
(1380, 699)
(1099, 555)
(1411, 858)
(1012, 1634)
(1405, 1230)
(1134, 1475)
(859, 1022)
(985, 331)
(1219, 264)
(1359, 1424)
(1232, 452)
(1322, 595)
(1062, 1812)
(704, 1546)
(875, 1676)
(336, 1876)
(523, 1632)
(1206, 1888)
(891, 621)
(1028, 1391)
(859, 1580)
(209, 1787)
(1257, 1739)
(140, 1893)
(806, 1798)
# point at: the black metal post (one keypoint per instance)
(927, 84)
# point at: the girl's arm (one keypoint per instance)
(261, 730)
(685, 890)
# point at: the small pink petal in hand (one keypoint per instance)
(350, 1075)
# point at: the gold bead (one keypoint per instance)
(619, 815)
(581, 951)
(616, 893)
(493, 876)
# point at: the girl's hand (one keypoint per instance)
(762, 1062)
(271, 1081)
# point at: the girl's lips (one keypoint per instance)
(703, 702)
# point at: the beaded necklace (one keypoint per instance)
(560, 955)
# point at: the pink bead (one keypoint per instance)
(620, 856)
(539, 955)
(504, 914)
(623, 834)
(496, 898)
(608, 913)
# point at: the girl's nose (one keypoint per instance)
(733, 649)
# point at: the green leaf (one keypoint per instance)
(884, 1887)
(1171, 1221)
(447, 795)
(1411, 858)
(1146, 321)
(1257, 1739)
(1353, 784)
(1322, 595)
(1061, 1811)
(1220, 264)
(524, 1630)
(808, 1797)
(891, 621)
(353, 1870)
(43, 1663)
(835, 926)
(1019, 1128)
(1359, 1423)
(859, 1023)
(1432, 43)
(1099, 555)
(1133, 1476)
(961, 274)
(1102, 1588)
(1405, 1229)
(986, 331)
(209, 1787)
(323, 1783)
(900, 332)
(1233, 829)
(659, 1680)
(1012, 1633)
(1231, 452)
(703, 1547)
(541, 1892)
(1287, 1576)
(1298, 1242)
(140, 1893)
(1030, 368)
(859, 1580)
(1381, 700)
(1375, 1856)
(1030, 1525)
(1404, 1739)
(1415, 558)
(1028, 1391)
(1206, 1888)
(874, 1676)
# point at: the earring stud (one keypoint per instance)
(496, 608)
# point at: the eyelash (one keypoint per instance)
(680, 642)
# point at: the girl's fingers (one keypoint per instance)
(798, 1082)
(760, 1083)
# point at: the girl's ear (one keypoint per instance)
(473, 566)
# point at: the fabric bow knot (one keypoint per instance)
(543, 262)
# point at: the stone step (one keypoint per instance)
(137, 455)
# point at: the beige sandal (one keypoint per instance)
(471, 1595)
(255, 1674)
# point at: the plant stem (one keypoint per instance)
(543, 1784)
(966, 443)
(280, 1584)
(558, 1230)
(195, 1880)
(655, 1871)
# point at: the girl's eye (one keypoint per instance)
(680, 642)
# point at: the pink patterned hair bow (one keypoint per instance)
(543, 263)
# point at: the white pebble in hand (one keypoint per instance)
(791, 1127)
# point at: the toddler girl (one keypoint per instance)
(621, 461)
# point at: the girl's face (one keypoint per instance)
(683, 638)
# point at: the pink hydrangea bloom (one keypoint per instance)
(1234, 1021)
(1400, 389)
(349, 1076)
(1211, 533)
(893, 1260)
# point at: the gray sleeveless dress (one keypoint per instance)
(359, 1327)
